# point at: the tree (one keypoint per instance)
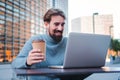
(115, 45)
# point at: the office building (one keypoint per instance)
(102, 24)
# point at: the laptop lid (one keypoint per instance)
(86, 50)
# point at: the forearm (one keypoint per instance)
(19, 62)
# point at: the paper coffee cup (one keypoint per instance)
(39, 44)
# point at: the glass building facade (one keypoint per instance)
(19, 20)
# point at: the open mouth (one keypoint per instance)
(58, 33)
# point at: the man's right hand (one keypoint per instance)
(35, 56)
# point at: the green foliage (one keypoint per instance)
(115, 45)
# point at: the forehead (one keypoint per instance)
(57, 19)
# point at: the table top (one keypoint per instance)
(50, 71)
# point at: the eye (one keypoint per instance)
(62, 24)
(56, 24)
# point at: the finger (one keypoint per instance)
(37, 58)
(37, 54)
(36, 61)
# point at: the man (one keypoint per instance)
(54, 21)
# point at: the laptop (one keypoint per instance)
(85, 50)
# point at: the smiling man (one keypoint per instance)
(54, 21)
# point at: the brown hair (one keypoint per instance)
(53, 12)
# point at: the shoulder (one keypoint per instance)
(65, 39)
(37, 37)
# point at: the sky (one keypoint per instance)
(78, 8)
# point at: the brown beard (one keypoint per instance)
(56, 38)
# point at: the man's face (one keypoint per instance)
(55, 27)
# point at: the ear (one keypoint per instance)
(46, 24)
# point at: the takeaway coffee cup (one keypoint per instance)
(39, 44)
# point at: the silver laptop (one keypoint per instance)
(85, 50)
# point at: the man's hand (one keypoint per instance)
(35, 56)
